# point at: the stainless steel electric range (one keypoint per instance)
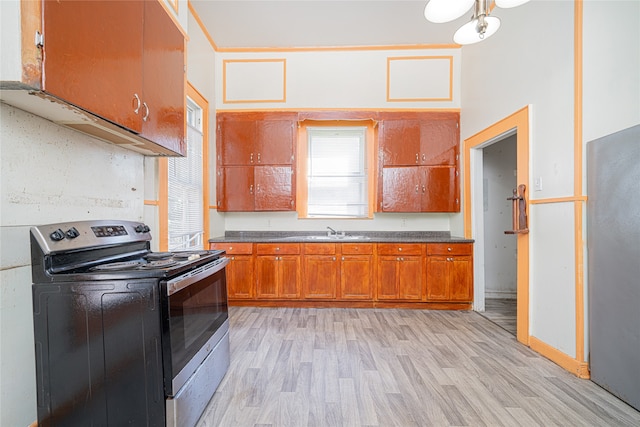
(124, 335)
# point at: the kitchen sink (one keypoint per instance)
(347, 237)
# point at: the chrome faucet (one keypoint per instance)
(333, 232)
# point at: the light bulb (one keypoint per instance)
(440, 11)
(468, 33)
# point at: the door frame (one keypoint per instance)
(517, 123)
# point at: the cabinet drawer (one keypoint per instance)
(320, 248)
(400, 249)
(450, 249)
(234, 248)
(357, 249)
(277, 249)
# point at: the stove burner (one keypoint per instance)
(151, 256)
(160, 263)
(125, 265)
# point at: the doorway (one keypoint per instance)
(499, 173)
(516, 125)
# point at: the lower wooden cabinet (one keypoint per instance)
(277, 271)
(400, 271)
(434, 274)
(450, 272)
(357, 272)
(321, 271)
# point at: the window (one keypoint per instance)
(185, 188)
(337, 172)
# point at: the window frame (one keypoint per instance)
(370, 129)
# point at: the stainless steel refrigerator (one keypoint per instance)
(613, 242)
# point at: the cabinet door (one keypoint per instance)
(321, 276)
(461, 279)
(236, 190)
(437, 278)
(267, 276)
(275, 142)
(274, 188)
(289, 276)
(401, 189)
(236, 141)
(439, 139)
(387, 277)
(92, 56)
(400, 142)
(440, 190)
(163, 89)
(240, 280)
(356, 277)
(410, 278)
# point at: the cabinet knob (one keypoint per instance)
(449, 249)
(399, 249)
(342, 258)
(277, 249)
(334, 258)
(230, 248)
(233, 258)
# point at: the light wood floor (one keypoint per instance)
(375, 367)
(502, 312)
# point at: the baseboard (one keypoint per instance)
(576, 367)
(500, 294)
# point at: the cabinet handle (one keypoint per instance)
(257, 188)
(258, 157)
(251, 189)
(137, 104)
(251, 158)
(417, 158)
(146, 116)
(417, 188)
(423, 189)
(424, 157)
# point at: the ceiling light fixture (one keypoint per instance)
(481, 26)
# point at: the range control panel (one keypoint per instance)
(86, 234)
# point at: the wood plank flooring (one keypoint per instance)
(392, 367)
(502, 312)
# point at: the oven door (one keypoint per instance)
(194, 308)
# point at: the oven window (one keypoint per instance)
(195, 314)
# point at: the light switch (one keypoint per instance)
(538, 183)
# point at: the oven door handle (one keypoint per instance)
(185, 280)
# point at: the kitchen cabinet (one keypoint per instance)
(122, 61)
(400, 271)
(414, 139)
(321, 271)
(450, 272)
(418, 162)
(357, 271)
(255, 158)
(277, 269)
(420, 189)
(255, 188)
(239, 271)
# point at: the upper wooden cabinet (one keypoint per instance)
(251, 139)
(418, 162)
(122, 61)
(412, 139)
(255, 158)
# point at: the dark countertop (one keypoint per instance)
(350, 237)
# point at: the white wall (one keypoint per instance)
(338, 80)
(499, 181)
(48, 174)
(528, 62)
